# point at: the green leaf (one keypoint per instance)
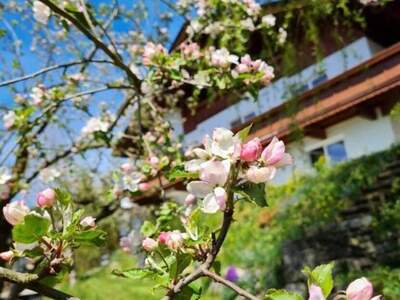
(31, 229)
(321, 276)
(135, 273)
(244, 133)
(253, 192)
(95, 237)
(148, 228)
(282, 295)
(179, 172)
(217, 267)
(63, 197)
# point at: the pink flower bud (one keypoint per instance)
(144, 186)
(359, 289)
(190, 199)
(15, 212)
(251, 151)
(6, 255)
(163, 237)
(260, 175)
(46, 198)
(315, 293)
(175, 240)
(127, 168)
(154, 161)
(149, 244)
(88, 222)
(274, 152)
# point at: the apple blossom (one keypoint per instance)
(127, 168)
(144, 186)
(93, 125)
(282, 35)
(41, 12)
(150, 51)
(360, 289)
(131, 181)
(38, 94)
(149, 244)
(251, 151)
(9, 119)
(190, 199)
(48, 175)
(260, 175)
(15, 212)
(215, 172)
(154, 161)
(315, 293)
(163, 237)
(88, 222)
(6, 255)
(46, 198)
(248, 24)
(274, 152)
(174, 240)
(224, 144)
(253, 8)
(269, 20)
(190, 50)
(5, 175)
(215, 201)
(222, 58)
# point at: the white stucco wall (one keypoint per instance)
(361, 136)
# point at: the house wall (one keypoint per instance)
(281, 89)
(361, 136)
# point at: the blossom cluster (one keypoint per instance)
(38, 232)
(222, 154)
(359, 289)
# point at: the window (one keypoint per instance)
(336, 152)
(320, 79)
(316, 154)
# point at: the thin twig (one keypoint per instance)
(52, 68)
(229, 284)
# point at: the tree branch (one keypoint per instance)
(29, 281)
(229, 284)
(52, 68)
(114, 57)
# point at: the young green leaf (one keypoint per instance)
(31, 229)
(253, 193)
(244, 133)
(322, 277)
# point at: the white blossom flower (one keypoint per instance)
(48, 175)
(269, 20)
(282, 35)
(9, 119)
(93, 125)
(41, 12)
(5, 175)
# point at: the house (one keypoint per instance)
(340, 105)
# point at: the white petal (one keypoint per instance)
(199, 188)
(210, 204)
(193, 165)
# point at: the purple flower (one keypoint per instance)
(232, 274)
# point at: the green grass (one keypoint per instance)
(101, 284)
